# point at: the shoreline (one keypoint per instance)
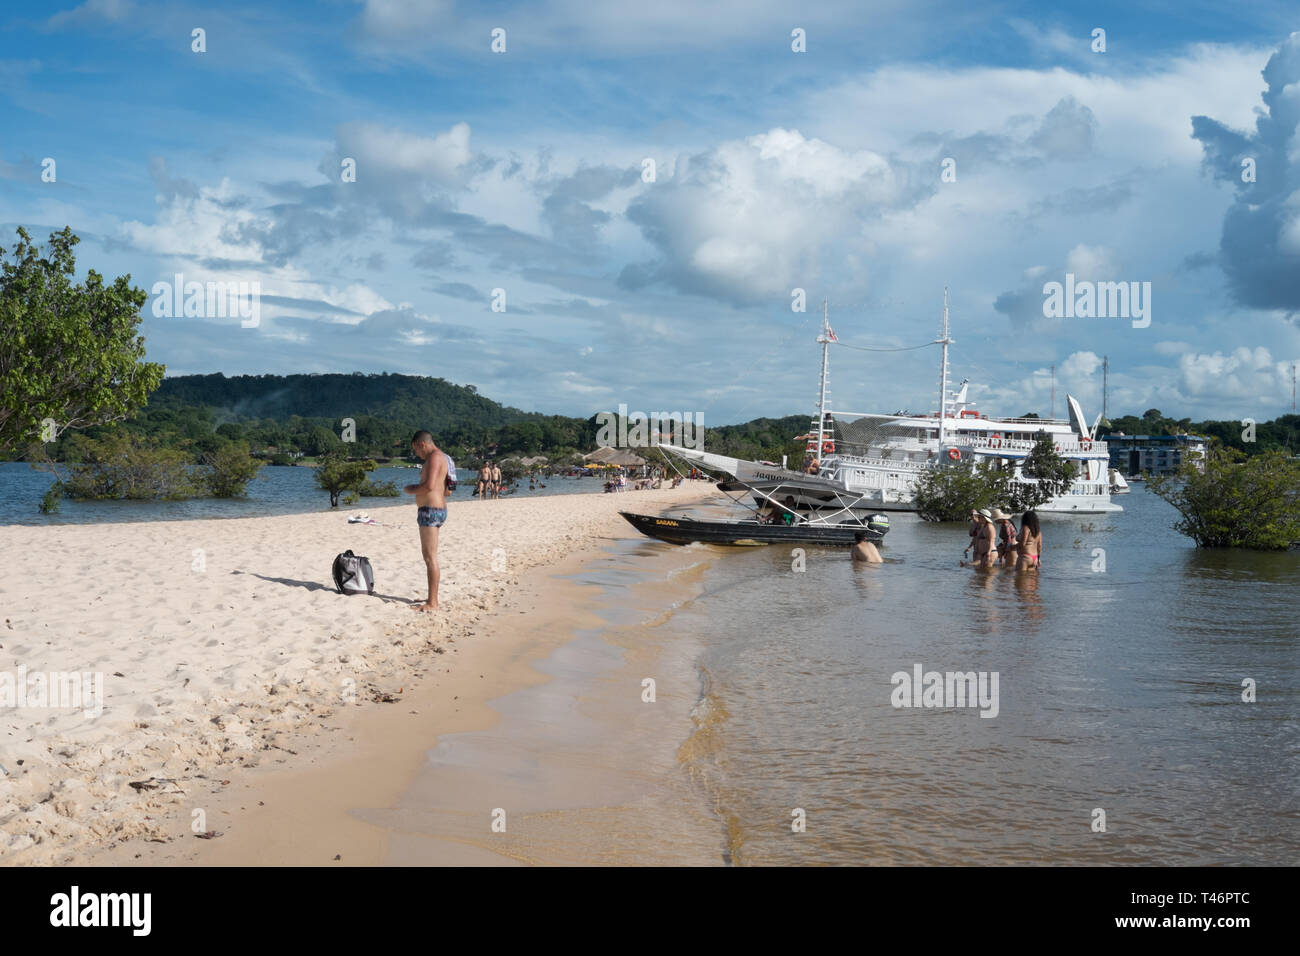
(274, 718)
(362, 793)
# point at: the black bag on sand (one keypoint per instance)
(353, 574)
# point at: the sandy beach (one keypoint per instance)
(227, 660)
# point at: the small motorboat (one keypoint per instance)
(682, 530)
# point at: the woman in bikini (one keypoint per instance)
(984, 541)
(1030, 545)
(1006, 537)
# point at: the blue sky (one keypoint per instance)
(774, 170)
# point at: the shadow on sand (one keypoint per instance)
(317, 586)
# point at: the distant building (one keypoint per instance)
(1152, 454)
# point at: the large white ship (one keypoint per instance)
(860, 462)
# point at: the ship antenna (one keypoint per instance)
(944, 340)
(825, 339)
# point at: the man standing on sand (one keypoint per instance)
(496, 480)
(431, 511)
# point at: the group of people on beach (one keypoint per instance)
(995, 540)
(653, 480)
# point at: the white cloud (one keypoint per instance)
(1243, 374)
(1079, 367)
(754, 217)
(1092, 263)
(206, 225)
(1147, 114)
(383, 152)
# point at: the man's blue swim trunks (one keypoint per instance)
(431, 517)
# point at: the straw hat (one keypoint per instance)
(1000, 515)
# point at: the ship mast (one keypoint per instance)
(944, 341)
(825, 340)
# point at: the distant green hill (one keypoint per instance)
(432, 403)
(284, 417)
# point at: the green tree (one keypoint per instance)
(122, 465)
(1225, 502)
(952, 493)
(336, 475)
(523, 437)
(1052, 476)
(69, 352)
(231, 468)
(378, 489)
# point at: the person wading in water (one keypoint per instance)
(1007, 545)
(1030, 546)
(986, 551)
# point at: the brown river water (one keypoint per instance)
(776, 739)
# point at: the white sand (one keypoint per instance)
(221, 643)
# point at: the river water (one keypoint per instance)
(1120, 680)
(277, 489)
(1118, 734)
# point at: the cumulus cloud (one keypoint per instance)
(406, 174)
(1243, 374)
(1260, 244)
(198, 223)
(1069, 131)
(1078, 375)
(1080, 366)
(750, 219)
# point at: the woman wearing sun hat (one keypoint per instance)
(1006, 536)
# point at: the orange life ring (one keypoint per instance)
(995, 442)
(828, 448)
(954, 454)
(1085, 445)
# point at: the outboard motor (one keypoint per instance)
(878, 523)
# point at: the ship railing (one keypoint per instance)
(1089, 488)
(893, 464)
(1036, 421)
(1096, 449)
